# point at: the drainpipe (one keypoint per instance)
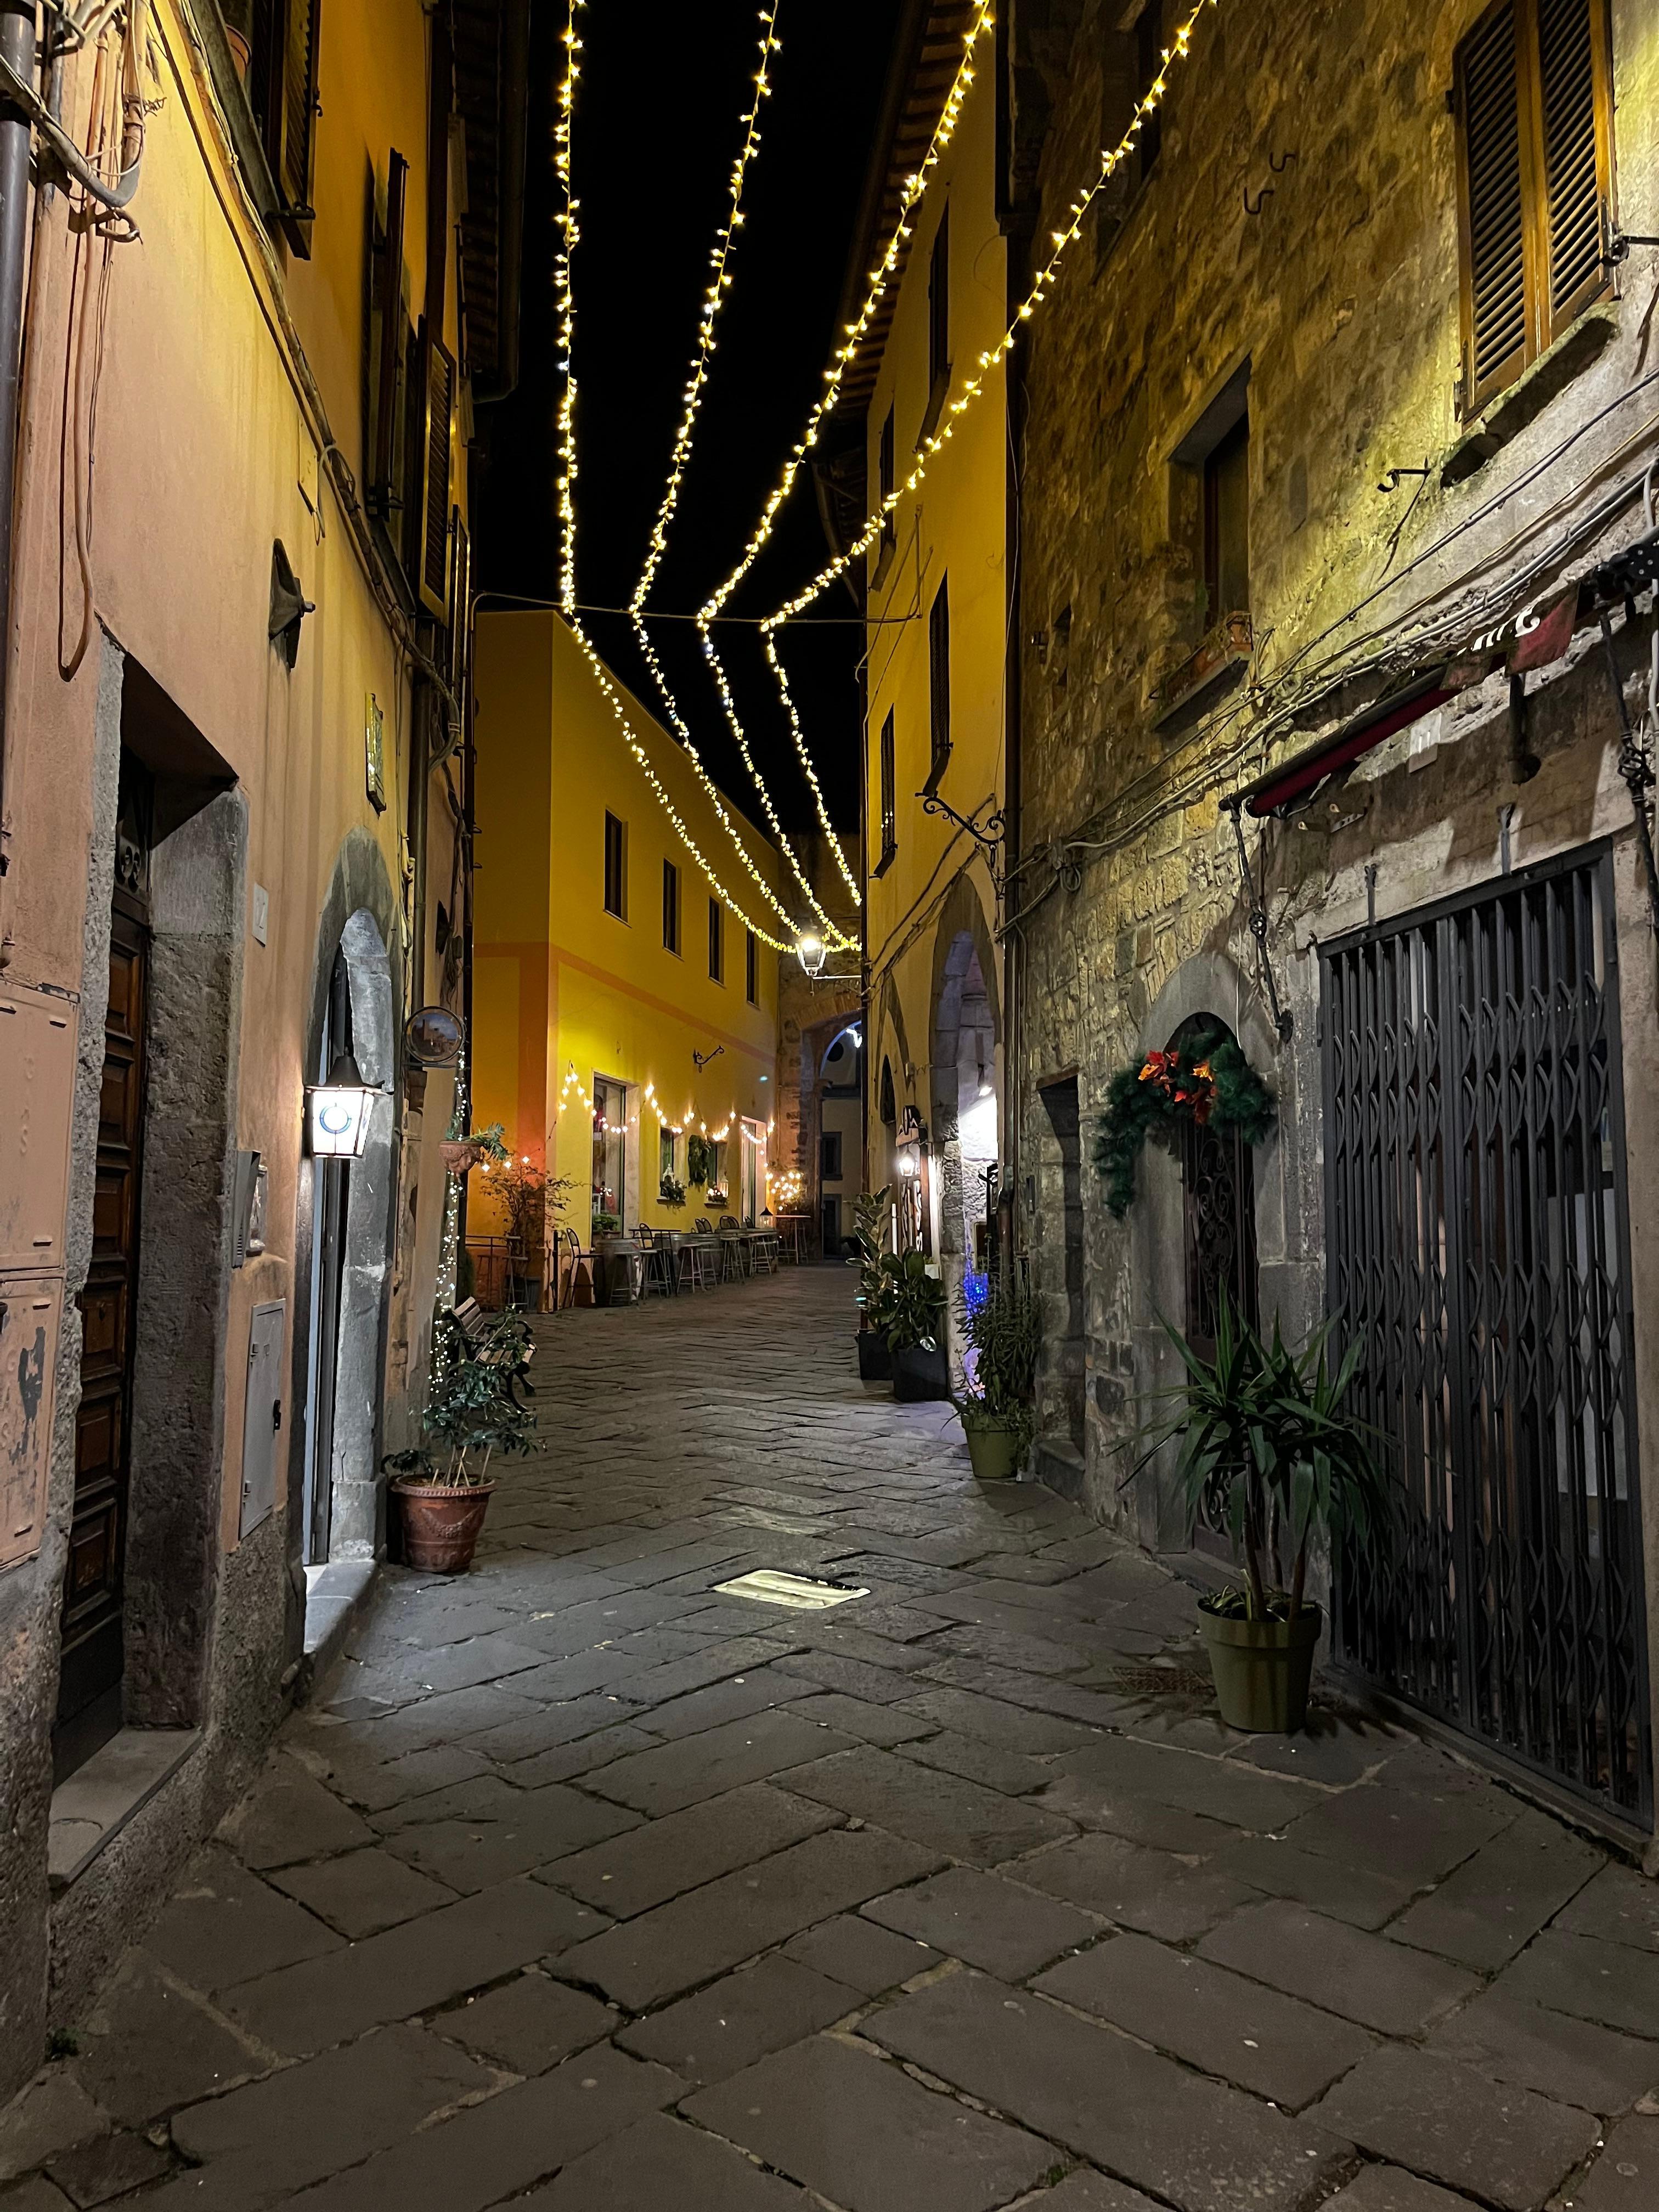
(17, 50)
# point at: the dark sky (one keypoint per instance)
(657, 128)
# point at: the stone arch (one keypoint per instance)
(1207, 983)
(344, 1352)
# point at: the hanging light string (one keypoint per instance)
(565, 300)
(1110, 161)
(565, 303)
(807, 768)
(719, 283)
(880, 276)
(834, 936)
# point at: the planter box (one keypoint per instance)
(875, 1361)
(919, 1375)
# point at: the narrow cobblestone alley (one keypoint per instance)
(582, 1880)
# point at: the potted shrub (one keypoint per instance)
(914, 1328)
(473, 1412)
(460, 1153)
(698, 1159)
(1270, 1451)
(671, 1192)
(1001, 1326)
(875, 1361)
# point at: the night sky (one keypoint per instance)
(658, 126)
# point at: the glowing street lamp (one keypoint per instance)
(810, 951)
(337, 1111)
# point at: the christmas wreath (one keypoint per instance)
(1208, 1081)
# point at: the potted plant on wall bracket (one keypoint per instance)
(875, 1361)
(473, 1412)
(1206, 1082)
(914, 1324)
(1270, 1450)
(697, 1160)
(461, 1153)
(1002, 1327)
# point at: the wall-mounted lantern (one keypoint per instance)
(912, 1138)
(810, 950)
(337, 1111)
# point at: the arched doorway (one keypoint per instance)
(350, 1249)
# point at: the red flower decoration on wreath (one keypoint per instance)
(1194, 1088)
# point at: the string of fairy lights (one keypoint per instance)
(1111, 159)
(967, 397)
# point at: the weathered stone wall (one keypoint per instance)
(809, 1015)
(1340, 295)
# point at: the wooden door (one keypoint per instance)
(92, 1642)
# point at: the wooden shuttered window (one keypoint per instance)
(1534, 98)
(939, 682)
(281, 87)
(431, 567)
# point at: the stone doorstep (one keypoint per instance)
(99, 1798)
(335, 1595)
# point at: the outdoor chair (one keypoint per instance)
(576, 1259)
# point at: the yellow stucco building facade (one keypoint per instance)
(938, 639)
(621, 1004)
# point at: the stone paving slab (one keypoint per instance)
(1223, 2025)
(1139, 1888)
(1619, 1905)
(1010, 1728)
(153, 2044)
(412, 1968)
(1008, 1771)
(1391, 2189)
(536, 1826)
(648, 1865)
(1560, 2057)
(849, 1948)
(1498, 1899)
(360, 1892)
(1365, 1979)
(739, 2019)
(499, 2147)
(1410, 1835)
(1455, 2126)
(1085, 2190)
(1278, 1865)
(290, 1816)
(1625, 2175)
(260, 2144)
(1139, 1820)
(1610, 1983)
(867, 2137)
(663, 2165)
(731, 1699)
(677, 1946)
(110, 2167)
(1147, 2121)
(528, 2024)
(936, 1809)
(675, 1774)
(878, 1724)
(225, 1925)
(1008, 1931)
(1236, 1795)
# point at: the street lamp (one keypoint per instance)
(337, 1111)
(810, 951)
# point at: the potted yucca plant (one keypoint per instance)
(1001, 1327)
(1271, 1451)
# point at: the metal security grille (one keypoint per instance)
(1479, 1245)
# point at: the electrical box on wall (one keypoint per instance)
(262, 1425)
(36, 1050)
(29, 1309)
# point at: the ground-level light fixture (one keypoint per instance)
(337, 1111)
(810, 950)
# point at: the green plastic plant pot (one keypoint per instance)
(993, 1450)
(1262, 1669)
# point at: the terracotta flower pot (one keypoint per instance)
(459, 1154)
(442, 1524)
(1262, 1669)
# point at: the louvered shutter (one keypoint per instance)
(1574, 163)
(1495, 286)
(299, 111)
(434, 536)
(460, 599)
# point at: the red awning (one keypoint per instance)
(1274, 793)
